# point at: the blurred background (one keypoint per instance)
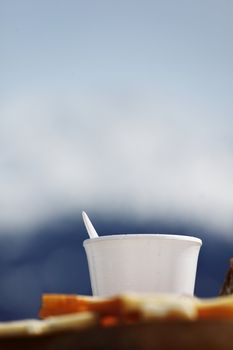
(119, 108)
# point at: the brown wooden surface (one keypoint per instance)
(209, 335)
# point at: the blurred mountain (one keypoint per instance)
(52, 259)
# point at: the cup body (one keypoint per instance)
(148, 263)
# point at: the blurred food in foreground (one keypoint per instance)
(132, 308)
(62, 312)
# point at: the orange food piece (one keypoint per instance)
(109, 321)
(220, 308)
(60, 304)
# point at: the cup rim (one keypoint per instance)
(143, 235)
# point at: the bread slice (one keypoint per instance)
(55, 324)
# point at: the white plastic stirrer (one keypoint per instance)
(90, 228)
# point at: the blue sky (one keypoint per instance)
(116, 106)
(181, 43)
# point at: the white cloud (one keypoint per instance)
(117, 153)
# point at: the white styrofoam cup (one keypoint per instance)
(149, 263)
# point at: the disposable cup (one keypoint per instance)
(148, 263)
